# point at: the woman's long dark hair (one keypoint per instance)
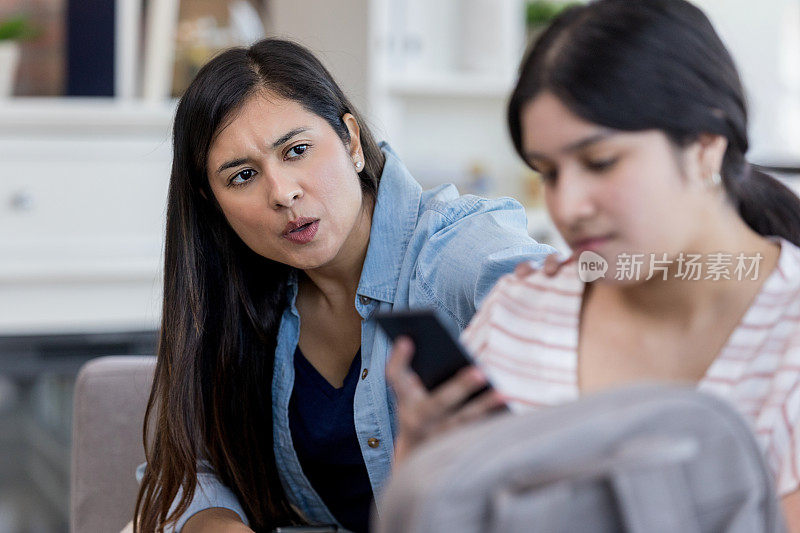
(212, 396)
(635, 65)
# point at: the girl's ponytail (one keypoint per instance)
(767, 205)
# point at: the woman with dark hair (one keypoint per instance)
(288, 227)
(685, 262)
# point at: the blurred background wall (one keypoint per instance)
(88, 90)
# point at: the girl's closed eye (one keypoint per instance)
(600, 164)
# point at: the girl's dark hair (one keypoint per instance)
(212, 392)
(635, 65)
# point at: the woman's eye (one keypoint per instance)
(296, 151)
(242, 177)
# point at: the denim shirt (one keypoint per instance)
(427, 249)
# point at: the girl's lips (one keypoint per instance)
(591, 244)
(303, 234)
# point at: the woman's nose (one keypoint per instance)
(284, 192)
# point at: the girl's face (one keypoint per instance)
(614, 192)
(286, 182)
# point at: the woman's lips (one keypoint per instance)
(303, 234)
(296, 223)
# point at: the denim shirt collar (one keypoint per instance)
(394, 220)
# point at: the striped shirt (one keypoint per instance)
(525, 337)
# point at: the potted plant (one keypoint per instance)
(12, 30)
(539, 14)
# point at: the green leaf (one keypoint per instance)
(542, 12)
(16, 28)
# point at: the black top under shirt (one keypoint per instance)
(324, 436)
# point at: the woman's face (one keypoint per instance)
(612, 192)
(286, 182)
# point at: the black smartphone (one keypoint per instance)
(438, 355)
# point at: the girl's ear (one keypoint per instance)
(710, 153)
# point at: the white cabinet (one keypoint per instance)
(83, 188)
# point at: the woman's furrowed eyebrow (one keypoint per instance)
(577, 145)
(285, 137)
(277, 143)
(233, 163)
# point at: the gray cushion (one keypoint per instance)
(110, 399)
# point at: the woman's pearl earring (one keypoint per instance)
(359, 164)
(716, 179)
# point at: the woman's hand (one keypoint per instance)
(423, 414)
(552, 264)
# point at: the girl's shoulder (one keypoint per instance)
(532, 288)
(530, 313)
(555, 276)
(780, 294)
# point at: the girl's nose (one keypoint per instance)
(571, 199)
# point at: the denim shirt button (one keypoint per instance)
(373, 442)
(365, 300)
(364, 374)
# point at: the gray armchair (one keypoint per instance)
(110, 399)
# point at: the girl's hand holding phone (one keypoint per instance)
(423, 414)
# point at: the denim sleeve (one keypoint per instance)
(473, 243)
(210, 492)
